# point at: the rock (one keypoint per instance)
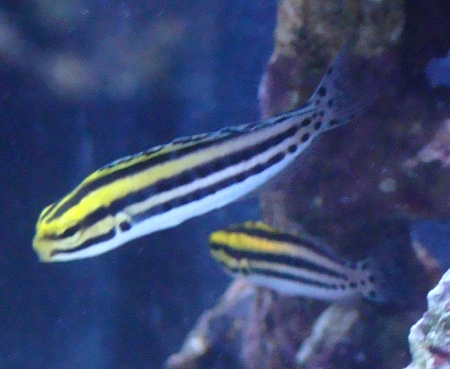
(359, 188)
(429, 338)
(218, 335)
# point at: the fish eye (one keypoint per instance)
(125, 226)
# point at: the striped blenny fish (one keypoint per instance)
(296, 265)
(168, 184)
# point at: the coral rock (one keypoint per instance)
(430, 336)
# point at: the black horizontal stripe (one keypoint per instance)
(184, 177)
(84, 190)
(295, 278)
(69, 232)
(46, 212)
(207, 191)
(102, 238)
(291, 239)
(289, 260)
(100, 214)
(281, 275)
(162, 186)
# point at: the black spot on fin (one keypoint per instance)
(348, 87)
(387, 269)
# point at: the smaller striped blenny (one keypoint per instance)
(296, 265)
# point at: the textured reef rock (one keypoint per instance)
(218, 332)
(256, 328)
(430, 337)
(245, 322)
(360, 186)
(309, 33)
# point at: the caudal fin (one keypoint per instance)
(347, 88)
(387, 269)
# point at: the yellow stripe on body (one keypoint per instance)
(130, 184)
(302, 247)
(246, 265)
(121, 188)
(295, 265)
(112, 168)
(162, 187)
(248, 243)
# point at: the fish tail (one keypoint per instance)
(385, 282)
(371, 280)
(346, 89)
(386, 272)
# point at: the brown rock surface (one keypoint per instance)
(360, 186)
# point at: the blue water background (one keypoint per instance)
(130, 308)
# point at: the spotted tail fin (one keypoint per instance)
(346, 89)
(388, 270)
